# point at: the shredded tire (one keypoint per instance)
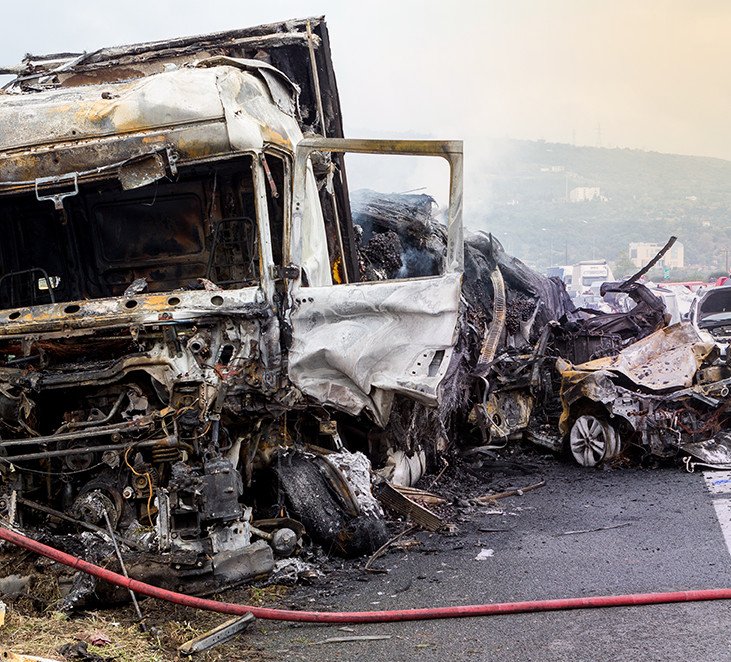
(311, 501)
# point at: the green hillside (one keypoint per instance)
(520, 195)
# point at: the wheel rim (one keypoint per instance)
(591, 441)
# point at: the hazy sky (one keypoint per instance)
(652, 74)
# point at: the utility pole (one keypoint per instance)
(598, 134)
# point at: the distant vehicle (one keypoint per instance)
(674, 306)
(685, 294)
(587, 273)
(565, 273)
(711, 312)
(691, 285)
(582, 278)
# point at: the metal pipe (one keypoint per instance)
(63, 516)
(85, 424)
(121, 562)
(73, 436)
(81, 451)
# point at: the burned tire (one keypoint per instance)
(311, 501)
(592, 441)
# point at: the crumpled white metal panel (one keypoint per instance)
(355, 346)
(190, 97)
(175, 97)
(252, 115)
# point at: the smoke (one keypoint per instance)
(419, 262)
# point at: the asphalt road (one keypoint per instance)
(669, 539)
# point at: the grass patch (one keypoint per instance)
(167, 627)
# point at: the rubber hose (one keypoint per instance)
(361, 616)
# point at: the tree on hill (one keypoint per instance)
(623, 267)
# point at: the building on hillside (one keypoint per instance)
(585, 194)
(553, 168)
(640, 253)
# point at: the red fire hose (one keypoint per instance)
(362, 616)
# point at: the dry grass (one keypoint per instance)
(43, 635)
(168, 626)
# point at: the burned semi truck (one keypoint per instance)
(187, 351)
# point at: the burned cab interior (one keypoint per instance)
(172, 234)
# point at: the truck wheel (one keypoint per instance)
(311, 501)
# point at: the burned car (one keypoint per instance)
(664, 396)
(598, 384)
(534, 324)
(185, 339)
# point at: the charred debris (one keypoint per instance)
(210, 352)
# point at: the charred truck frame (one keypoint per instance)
(180, 317)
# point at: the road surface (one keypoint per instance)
(667, 537)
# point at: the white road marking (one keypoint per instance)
(718, 482)
(723, 512)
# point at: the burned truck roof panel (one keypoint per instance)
(102, 110)
(200, 113)
(299, 48)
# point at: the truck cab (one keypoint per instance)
(180, 298)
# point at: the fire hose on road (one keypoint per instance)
(635, 599)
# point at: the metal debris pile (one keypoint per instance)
(595, 384)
